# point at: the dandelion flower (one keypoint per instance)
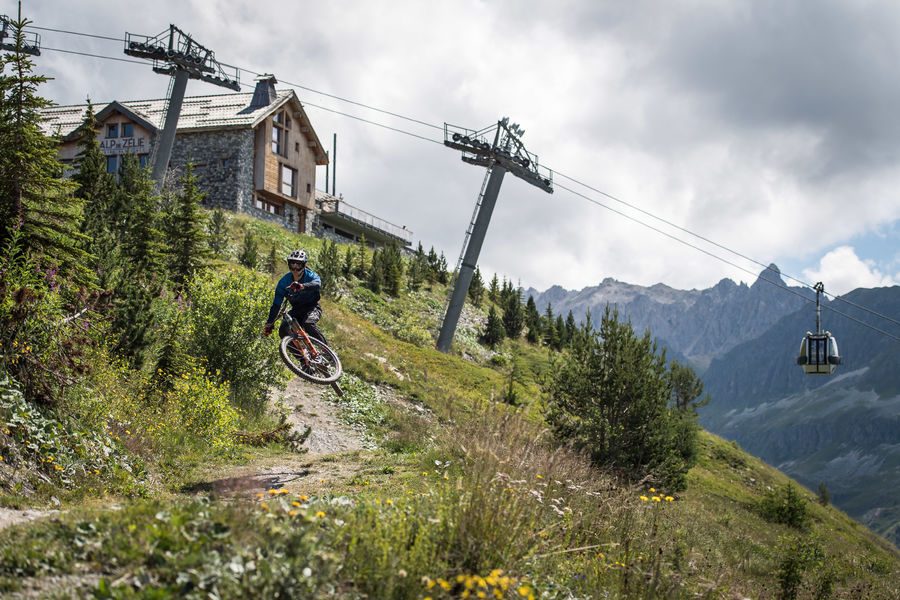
(320, 515)
(657, 499)
(303, 497)
(292, 513)
(670, 499)
(652, 490)
(644, 498)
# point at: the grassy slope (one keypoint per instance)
(711, 538)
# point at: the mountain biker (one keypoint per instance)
(302, 288)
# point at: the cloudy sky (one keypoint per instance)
(771, 128)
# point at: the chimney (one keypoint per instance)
(264, 94)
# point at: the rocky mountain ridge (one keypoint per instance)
(697, 324)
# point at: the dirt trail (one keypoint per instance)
(333, 455)
(12, 516)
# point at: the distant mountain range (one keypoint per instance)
(841, 430)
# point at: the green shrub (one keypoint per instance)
(226, 314)
(785, 505)
(58, 450)
(797, 556)
(200, 409)
(610, 396)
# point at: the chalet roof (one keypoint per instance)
(198, 113)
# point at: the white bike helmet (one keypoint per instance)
(297, 256)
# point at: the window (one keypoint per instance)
(128, 130)
(266, 206)
(288, 177)
(112, 164)
(309, 188)
(281, 125)
(112, 130)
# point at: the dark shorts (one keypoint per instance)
(308, 317)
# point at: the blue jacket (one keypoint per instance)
(307, 298)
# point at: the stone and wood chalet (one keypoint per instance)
(253, 153)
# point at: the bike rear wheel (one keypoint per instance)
(325, 368)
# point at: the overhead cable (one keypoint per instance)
(557, 173)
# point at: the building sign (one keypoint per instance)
(125, 145)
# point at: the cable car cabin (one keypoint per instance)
(819, 354)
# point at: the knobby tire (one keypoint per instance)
(296, 365)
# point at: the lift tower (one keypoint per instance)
(505, 153)
(177, 54)
(31, 42)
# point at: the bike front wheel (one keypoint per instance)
(324, 368)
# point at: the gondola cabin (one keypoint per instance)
(819, 354)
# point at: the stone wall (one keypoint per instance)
(223, 163)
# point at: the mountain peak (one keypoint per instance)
(771, 274)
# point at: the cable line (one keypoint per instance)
(287, 83)
(724, 260)
(716, 244)
(557, 173)
(126, 60)
(90, 35)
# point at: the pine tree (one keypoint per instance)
(611, 398)
(361, 263)
(548, 324)
(217, 232)
(249, 255)
(494, 290)
(97, 189)
(561, 333)
(347, 268)
(392, 263)
(686, 387)
(513, 315)
(433, 266)
(532, 321)
(443, 275)
(493, 330)
(329, 268)
(570, 327)
(34, 196)
(141, 239)
(187, 244)
(273, 262)
(417, 270)
(476, 288)
(376, 272)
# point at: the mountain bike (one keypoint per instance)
(306, 356)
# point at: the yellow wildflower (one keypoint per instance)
(524, 591)
(389, 502)
(538, 476)
(303, 497)
(644, 498)
(670, 499)
(292, 513)
(295, 503)
(652, 490)
(445, 585)
(320, 514)
(657, 499)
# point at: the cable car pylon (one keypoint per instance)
(505, 154)
(819, 351)
(177, 54)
